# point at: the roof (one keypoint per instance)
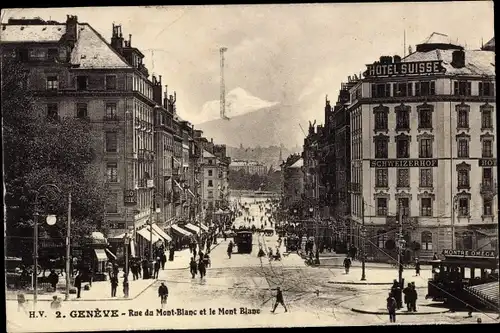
(298, 164)
(207, 154)
(31, 33)
(490, 46)
(477, 62)
(91, 49)
(437, 38)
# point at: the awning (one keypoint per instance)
(147, 235)
(132, 248)
(110, 254)
(162, 233)
(180, 231)
(204, 227)
(98, 238)
(100, 255)
(192, 228)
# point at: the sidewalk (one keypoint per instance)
(423, 308)
(183, 257)
(376, 276)
(100, 291)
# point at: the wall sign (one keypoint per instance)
(404, 163)
(487, 162)
(130, 198)
(469, 253)
(404, 68)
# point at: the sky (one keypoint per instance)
(291, 54)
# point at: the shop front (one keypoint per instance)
(181, 238)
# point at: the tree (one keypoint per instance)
(40, 151)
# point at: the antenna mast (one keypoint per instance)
(222, 85)
(404, 43)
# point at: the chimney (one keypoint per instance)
(71, 29)
(165, 97)
(157, 91)
(212, 140)
(458, 59)
(130, 40)
(397, 59)
(117, 38)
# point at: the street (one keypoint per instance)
(239, 288)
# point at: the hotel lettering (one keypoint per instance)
(404, 68)
(400, 163)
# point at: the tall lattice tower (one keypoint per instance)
(222, 85)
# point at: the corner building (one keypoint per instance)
(423, 139)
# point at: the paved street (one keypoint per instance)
(246, 281)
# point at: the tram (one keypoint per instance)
(458, 271)
(243, 241)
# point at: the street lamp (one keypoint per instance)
(126, 242)
(363, 254)
(157, 210)
(50, 220)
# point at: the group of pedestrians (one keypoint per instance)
(397, 297)
(199, 265)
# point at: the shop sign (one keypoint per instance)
(469, 253)
(404, 163)
(404, 68)
(130, 198)
(487, 162)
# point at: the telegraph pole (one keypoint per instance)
(68, 247)
(402, 215)
(363, 253)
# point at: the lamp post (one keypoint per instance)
(51, 220)
(157, 210)
(126, 242)
(363, 234)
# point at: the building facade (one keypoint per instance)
(292, 184)
(422, 151)
(249, 167)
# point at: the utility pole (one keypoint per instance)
(68, 247)
(402, 215)
(363, 253)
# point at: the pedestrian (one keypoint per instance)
(78, 284)
(414, 297)
(407, 296)
(206, 260)
(279, 300)
(115, 269)
(435, 256)
(417, 267)
(163, 294)
(114, 285)
(53, 279)
(156, 268)
(21, 300)
(391, 308)
(163, 260)
(194, 251)
(201, 255)
(202, 269)
(171, 253)
(396, 293)
(56, 303)
(193, 267)
(347, 264)
(230, 249)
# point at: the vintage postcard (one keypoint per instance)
(295, 165)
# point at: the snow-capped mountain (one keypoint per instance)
(238, 102)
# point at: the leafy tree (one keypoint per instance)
(39, 151)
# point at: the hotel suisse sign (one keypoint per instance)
(469, 253)
(487, 162)
(404, 68)
(404, 163)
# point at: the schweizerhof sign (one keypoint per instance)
(404, 68)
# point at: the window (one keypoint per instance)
(111, 111)
(462, 88)
(403, 177)
(111, 142)
(402, 89)
(110, 82)
(81, 110)
(381, 178)
(381, 206)
(112, 172)
(463, 148)
(210, 183)
(381, 238)
(463, 116)
(210, 173)
(210, 194)
(487, 150)
(426, 240)
(425, 119)
(425, 88)
(23, 55)
(381, 120)
(486, 89)
(381, 147)
(52, 83)
(381, 90)
(426, 207)
(112, 203)
(487, 207)
(486, 118)
(81, 82)
(425, 149)
(487, 176)
(402, 118)
(426, 178)
(210, 161)
(52, 111)
(463, 207)
(38, 54)
(404, 205)
(463, 179)
(403, 147)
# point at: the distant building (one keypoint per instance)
(249, 167)
(292, 183)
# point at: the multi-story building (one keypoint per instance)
(422, 143)
(75, 72)
(311, 156)
(249, 167)
(292, 184)
(177, 171)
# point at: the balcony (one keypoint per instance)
(488, 189)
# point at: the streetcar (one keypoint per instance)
(243, 241)
(292, 243)
(460, 270)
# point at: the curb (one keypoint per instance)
(399, 313)
(362, 283)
